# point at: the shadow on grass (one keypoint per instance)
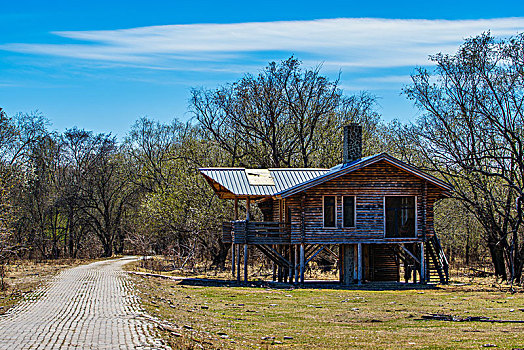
(371, 286)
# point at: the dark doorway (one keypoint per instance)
(400, 216)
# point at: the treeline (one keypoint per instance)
(79, 194)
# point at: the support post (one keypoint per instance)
(245, 263)
(302, 262)
(341, 265)
(360, 260)
(233, 259)
(422, 264)
(238, 263)
(291, 269)
(295, 264)
(274, 270)
(233, 248)
(346, 262)
(248, 217)
(280, 269)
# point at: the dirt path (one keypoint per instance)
(87, 307)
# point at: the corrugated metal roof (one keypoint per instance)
(287, 178)
(234, 181)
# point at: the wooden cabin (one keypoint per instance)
(372, 214)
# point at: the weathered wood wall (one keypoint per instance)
(369, 185)
(384, 266)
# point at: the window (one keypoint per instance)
(348, 211)
(400, 216)
(330, 214)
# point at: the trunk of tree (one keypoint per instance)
(70, 233)
(219, 260)
(55, 252)
(107, 244)
(497, 257)
(119, 242)
(519, 262)
(467, 250)
(108, 250)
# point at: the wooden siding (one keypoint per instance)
(369, 185)
(384, 266)
(260, 232)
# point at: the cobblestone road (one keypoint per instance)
(87, 307)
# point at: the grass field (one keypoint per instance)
(24, 276)
(214, 317)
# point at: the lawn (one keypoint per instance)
(259, 318)
(24, 276)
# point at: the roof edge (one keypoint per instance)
(342, 170)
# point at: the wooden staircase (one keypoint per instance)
(437, 267)
(436, 262)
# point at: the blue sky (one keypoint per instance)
(100, 65)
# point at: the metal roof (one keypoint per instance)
(343, 169)
(234, 182)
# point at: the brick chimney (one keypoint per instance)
(352, 150)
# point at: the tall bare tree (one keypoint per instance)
(283, 117)
(472, 134)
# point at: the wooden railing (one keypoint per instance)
(256, 232)
(227, 232)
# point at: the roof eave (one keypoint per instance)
(324, 178)
(378, 157)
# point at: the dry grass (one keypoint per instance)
(24, 276)
(163, 265)
(259, 318)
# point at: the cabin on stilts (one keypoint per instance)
(373, 215)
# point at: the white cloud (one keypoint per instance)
(342, 42)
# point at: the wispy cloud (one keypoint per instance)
(339, 43)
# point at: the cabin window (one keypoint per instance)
(330, 211)
(348, 211)
(400, 216)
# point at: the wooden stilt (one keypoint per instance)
(274, 270)
(341, 265)
(233, 259)
(347, 262)
(360, 263)
(238, 263)
(290, 259)
(295, 263)
(233, 247)
(422, 264)
(302, 263)
(279, 268)
(248, 217)
(245, 263)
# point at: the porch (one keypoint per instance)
(358, 259)
(256, 232)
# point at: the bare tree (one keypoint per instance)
(283, 117)
(106, 191)
(472, 135)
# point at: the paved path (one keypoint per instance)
(87, 307)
